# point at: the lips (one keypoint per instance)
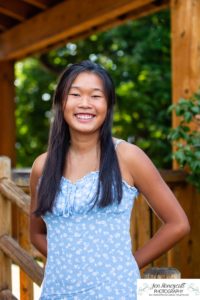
(84, 116)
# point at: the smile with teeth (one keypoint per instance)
(84, 116)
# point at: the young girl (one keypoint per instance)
(82, 193)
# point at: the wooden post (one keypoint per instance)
(5, 225)
(185, 23)
(162, 273)
(7, 111)
(26, 284)
(185, 33)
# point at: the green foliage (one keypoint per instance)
(137, 55)
(186, 140)
(34, 88)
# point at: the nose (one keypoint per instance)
(85, 101)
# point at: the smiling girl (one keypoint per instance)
(82, 193)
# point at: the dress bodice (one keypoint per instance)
(89, 248)
(79, 197)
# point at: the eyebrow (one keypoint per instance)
(94, 89)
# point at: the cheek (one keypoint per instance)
(68, 106)
(103, 106)
(67, 109)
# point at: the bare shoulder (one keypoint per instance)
(38, 164)
(137, 163)
(130, 153)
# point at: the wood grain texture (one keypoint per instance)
(12, 249)
(69, 19)
(185, 23)
(185, 33)
(7, 111)
(14, 194)
(5, 225)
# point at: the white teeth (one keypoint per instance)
(84, 117)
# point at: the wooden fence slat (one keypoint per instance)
(5, 224)
(185, 255)
(173, 176)
(11, 248)
(13, 193)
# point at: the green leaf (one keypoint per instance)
(195, 109)
(188, 116)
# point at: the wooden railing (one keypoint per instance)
(16, 247)
(12, 250)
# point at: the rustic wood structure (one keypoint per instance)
(21, 252)
(31, 26)
(18, 251)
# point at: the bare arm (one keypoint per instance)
(37, 225)
(164, 204)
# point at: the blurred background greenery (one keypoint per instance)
(137, 55)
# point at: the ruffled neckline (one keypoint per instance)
(95, 173)
(78, 198)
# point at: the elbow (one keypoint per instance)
(183, 228)
(187, 228)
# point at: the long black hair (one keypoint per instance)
(110, 180)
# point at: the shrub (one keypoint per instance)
(186, 138)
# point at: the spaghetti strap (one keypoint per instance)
(117, 142)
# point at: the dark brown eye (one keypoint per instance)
(96, 96)
(74, 94)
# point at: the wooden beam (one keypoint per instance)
(2, 28)
(131, 15)
(7, 22)
(42, 4)
(11, 9)
(67, 19)
(15, 195)
(17, 9)
(18, 255)
(7, 111)
(11, 13)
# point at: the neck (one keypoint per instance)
(82, 144)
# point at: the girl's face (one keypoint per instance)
(85, 107)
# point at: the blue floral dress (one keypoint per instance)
(89, 250)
